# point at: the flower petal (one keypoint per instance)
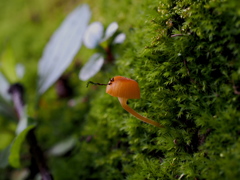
(93, 35)
(20, 70)
(62, 47)
(111, 29)
(119, 39)
(91, 67)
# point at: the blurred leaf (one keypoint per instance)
(6, 138)
(62, 47)
(20, 70)
(91, 67)
(4, 88)
(119, 39)
(23, 123)
(111, 29)
(14, 157)
(5, 107)
(4, 154)
(20, 174)
(63, 147)
(93, 35)
(8, 64)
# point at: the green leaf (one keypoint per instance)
(8, 64)
(6, 137)
(14, 158)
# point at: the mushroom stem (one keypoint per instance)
(123, 102)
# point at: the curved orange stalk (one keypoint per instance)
(123, 102)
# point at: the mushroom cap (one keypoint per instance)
(120, 86)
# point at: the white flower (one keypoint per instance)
(20, 70)
(91, 67)
(119, 39)
(111, 29)
(94, 34)
(93, 37)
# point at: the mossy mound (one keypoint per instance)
(184, 54)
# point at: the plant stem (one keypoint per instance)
(38, 156)
(17, 91)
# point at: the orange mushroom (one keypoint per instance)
(124, 89)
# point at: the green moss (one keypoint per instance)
(184, 56)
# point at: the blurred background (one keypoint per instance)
(48, 100)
